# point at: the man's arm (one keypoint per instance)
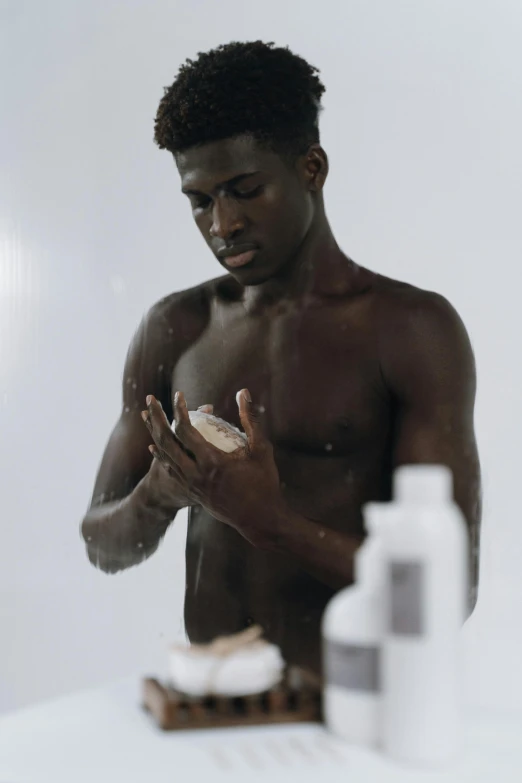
(428, 367)
(134, 500)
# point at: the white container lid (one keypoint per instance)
(374, 513)
(378, 521)
(423, 484)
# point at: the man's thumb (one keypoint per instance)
(249, 418)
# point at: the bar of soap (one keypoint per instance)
(220, 433)
(238, 665)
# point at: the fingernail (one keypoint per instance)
(149, 399)
(145, 416)
(248, 398)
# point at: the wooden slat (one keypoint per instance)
(173, 711)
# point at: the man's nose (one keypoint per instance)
(226, 219)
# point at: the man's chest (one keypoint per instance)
(314, 376)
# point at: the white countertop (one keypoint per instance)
(103, 736)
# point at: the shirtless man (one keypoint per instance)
(350, 373)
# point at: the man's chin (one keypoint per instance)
(250, 277)
(250, 274)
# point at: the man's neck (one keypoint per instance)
(319, 270)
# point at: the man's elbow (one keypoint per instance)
(111, 562)
(109, 565)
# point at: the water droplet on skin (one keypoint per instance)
(328, 447)
(140, 545)
(321, 534)
(89, 538)
(127, 409)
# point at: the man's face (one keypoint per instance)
(241, 194)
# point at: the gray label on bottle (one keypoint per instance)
(406, 597)
(353, 666)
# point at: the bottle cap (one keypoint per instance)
(374, 514)
(379, 519)
(423, 484)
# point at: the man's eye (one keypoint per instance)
(201, 203)
(251, 193)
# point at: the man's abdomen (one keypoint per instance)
(231, 585)
(215, 564)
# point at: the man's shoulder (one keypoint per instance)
(189, 308)
(171, 325)
(401, 306)
(419, 328)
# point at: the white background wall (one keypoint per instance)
(422, 124)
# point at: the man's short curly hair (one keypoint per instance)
(242, 88)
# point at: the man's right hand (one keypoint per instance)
(163, 488)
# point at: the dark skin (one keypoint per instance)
(350, 374)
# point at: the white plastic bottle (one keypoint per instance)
(352, 630)
(425, 589)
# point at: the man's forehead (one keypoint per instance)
(222, 161)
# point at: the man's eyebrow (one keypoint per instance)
(220, 185)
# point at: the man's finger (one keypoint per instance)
(206, 409)
(159, 427)
(156, 413)
(187, 435)
(166, 464)
(250, 420)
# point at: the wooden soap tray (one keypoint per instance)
(296, 699)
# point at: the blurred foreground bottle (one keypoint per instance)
(353, 628)
(425, 591)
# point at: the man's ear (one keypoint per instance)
(316, 168)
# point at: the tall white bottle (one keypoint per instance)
(352, 629)
(426, 567)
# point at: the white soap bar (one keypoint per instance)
(238, 665)
(220, 433)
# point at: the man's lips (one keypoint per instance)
(240, 260)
